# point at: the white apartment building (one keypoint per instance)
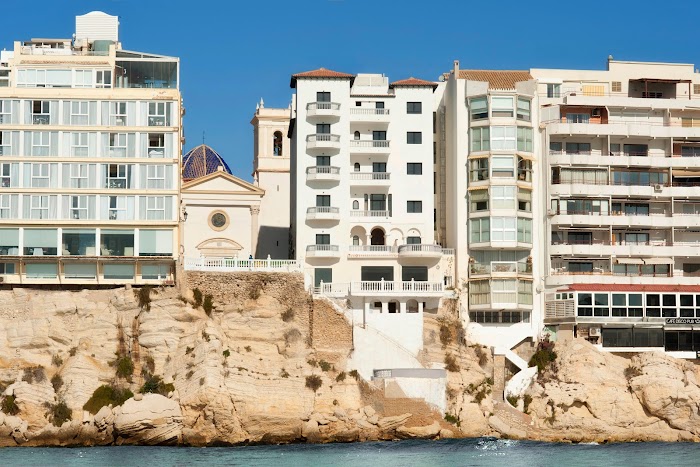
(487, 122)
(623, 204)
(362, 193)
(90, 138)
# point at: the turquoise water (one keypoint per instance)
(472, 452)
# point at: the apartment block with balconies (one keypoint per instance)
(623, 166)
(90, 138)
(362, 190)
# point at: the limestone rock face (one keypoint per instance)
(153, 420)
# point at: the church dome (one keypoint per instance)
(201, 161)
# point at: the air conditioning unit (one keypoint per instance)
(595, 112)
(658, 187)
(594, 332)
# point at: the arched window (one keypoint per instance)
(355, 240)
(357, 166)
(377, 237)
(356, 205)
(277, 143)
(357, 135)
(412, 306)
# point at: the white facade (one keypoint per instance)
(271, 172)
(90, 167)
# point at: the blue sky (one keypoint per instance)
(235, 52)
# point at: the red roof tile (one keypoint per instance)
(497, 79)
(633, 288)
(413, 82)
(320, 73)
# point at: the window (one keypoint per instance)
(356, 204)
(117, 208)
(554, 90)
(479, 108)
(524, 169)
(503, 229)
(523, 109)
(323, 239)
(524, 230)
(277, 143)
(155, 176)
(355, 239)
(40, 207)
(480, 139)
(413, 240)
(78, 207)
(414, 168)
(577, 118)
(414, 137)
(377, 202)
(41, 113)
(501, 106)
(323, 128)
(40, 242)
(414, 206)
(630, 178)
(156, 145)
(503, 137)
(479, 293)
(502, 197)
(524, 293)
(79, 145)
(40, 176)
(414, 107)
(504, 291)
(323, 161)
(378, 167)
(5, 111)
(478, 169)
(117, 243)
(79, 112)
(379, 105)
(323, 200)
(524, 139)
(323, 96)
(41, 143)
(635, 149)
(8, 208)
(78, 174)
(103, 79)
(117, 145)
(502, 167)
(479, 230)
(156, 242)
(696, 88)
(578, 148)
(117, 176)
(690, 151)
(155, 208)
(356, 167)
(478, 200)
(5, 175)
(616, 86)
(157, 114)
(580, 267)
(356, 136)
(117, 113)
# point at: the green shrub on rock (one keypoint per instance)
(106, 395)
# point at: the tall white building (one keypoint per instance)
(90, 138)
(487, 126)
(623, 204)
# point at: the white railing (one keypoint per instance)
(235, 264)
(332, 289)
(323, 137)
(322, 248)
(420, 248)
(373, 249)
(323, 210)
(323, 106)
(363, 213)
(356, 143)
(368, 111)
(397, 287)
(323, 170)
(448, 251)
(369, 175)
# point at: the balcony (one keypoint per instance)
(369, 146)
(372, 251)
(500, 268)
(324, 173)
(420, 251)
(40, 119)
(359, 114)
(320, 213)
(371, 214)
(370, 178)
(322, 251)
(397, 288)
(322, 141)
(323, 109)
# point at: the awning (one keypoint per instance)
(630, 261)
(658, 260)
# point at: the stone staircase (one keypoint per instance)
(511, 422)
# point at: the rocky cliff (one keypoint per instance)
(266, 363)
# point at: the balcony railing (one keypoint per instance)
(373, 249)
(376, 144)
(41, 119)
(323, 137)
(370, 175)
(235, 264)
(420, 248)
(322, 210)
(368, 111)
(396, 287)
(323, 170)
(323, 106)
(328, 248)
(501, 267)
(370, 213)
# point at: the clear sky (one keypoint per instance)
(235, 52)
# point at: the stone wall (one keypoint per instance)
(330, 330)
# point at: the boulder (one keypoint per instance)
(153, 420)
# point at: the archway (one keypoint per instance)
(377, 236)
(277, 143)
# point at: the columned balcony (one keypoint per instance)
(322, 251)
(324, 173)
(369, 146)
(370, 178)
(360, 114)
(322, 141)
(420, 251)
(318, 213)
(398, 288)
(323, 109)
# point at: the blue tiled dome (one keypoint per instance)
(202, 161)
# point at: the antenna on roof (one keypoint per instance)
(203, 133)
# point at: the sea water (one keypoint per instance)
(465, 452)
